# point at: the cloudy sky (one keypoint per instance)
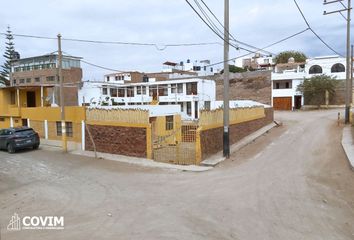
(256, 22)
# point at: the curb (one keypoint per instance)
(347, 144)
(217, 158)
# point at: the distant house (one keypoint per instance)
(286, 78)
(256, 61)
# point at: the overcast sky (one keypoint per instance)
(256, 22)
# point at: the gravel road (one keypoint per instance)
(292, 183)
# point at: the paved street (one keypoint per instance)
(292, 183)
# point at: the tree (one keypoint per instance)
(283, 57)
(314, 89)
(234, 69)
(8, 55)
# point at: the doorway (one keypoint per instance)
(297, 102)
(31, 99)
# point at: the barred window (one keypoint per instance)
(169, 122)
(68, 128)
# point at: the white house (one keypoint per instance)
(191, 94)
(256, 61)
(286, 78)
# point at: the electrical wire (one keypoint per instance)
(270, 45)
(308, 25)
(157, 46)
(236, 47)
(233, 38)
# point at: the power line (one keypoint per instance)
(313, 31)
(209, 25)
(270, 45)
(158, 46)
(233, 38)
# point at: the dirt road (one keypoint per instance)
(292, 183)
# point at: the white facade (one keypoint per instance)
(191, 94)
(257, 60)
(200, 68)
(285, 82)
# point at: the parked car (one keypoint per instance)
(12, 139)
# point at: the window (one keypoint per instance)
(130, 91)
(181, 104)
(287, 85)
(192, 88)
(116, 78)
(169, 122)
(189, 108)
(266, 61)
(173, 88)
(68, 128)
(141, 90)
(104, 91)
(163, 90)
(28, 80)
(12, 98)
(114, 92)
(180, 87)
(50, 78)
(196, 68)
(107, 78)
(211, 69)
(2, 120)
(277, 85)
(14, 81)
(315, 69)
(207, 105)
(121, 92)
(22, 80)
(37, 79)
(338, 67)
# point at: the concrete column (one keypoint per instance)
(18, 97)
(46, 129)
(42, 96)
(83, 135)
(28, 122)
(193, 109)
(11, 122)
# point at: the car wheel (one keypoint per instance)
(10, 148)
(35, 147)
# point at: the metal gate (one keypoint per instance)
(168, 149)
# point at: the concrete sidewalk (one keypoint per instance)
(348, 145)
(218, 158)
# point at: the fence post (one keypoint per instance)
(148, 142)
(28, 122)
(11, 122)
(83, 135)
(46, 129)
(198, 149)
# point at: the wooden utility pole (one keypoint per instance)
(226, 135)
(62, 103)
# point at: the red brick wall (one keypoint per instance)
(117, 140)
(212, 139)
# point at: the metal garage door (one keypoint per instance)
(282, 103)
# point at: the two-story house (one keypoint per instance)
(287, 77)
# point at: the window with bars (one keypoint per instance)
(169, 122)
(68, 128)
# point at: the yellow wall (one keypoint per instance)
(72, 114)
(5, 123)
(168, 136)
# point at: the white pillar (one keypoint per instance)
(42, 104)
(83, 135)
(11, 122)
(46, 129)
(18, 97)
(28, 122)
(193, 109)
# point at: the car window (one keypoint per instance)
(2, 132)
(25, 132)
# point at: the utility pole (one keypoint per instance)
(351, 76)
(226, 137)
(62, 107)
(348, 85)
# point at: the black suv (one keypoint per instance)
(12, 139)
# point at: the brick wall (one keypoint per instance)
(127, 141)
(212, 139)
